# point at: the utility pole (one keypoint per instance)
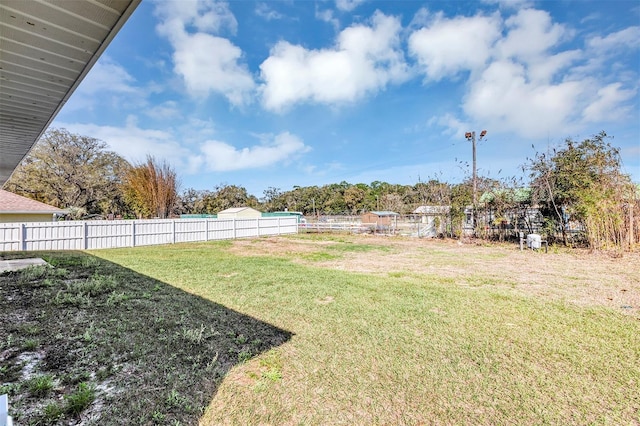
(471, 136)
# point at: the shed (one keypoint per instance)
(433, 220)
(380, 218)
(297, 215)
(16, 208)
(239, 213)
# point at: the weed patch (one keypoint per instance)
(91, 342)
(40, 385)
(76, 402)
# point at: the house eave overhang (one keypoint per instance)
(47, 48)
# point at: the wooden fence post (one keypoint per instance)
(173, 231)
(133, 233)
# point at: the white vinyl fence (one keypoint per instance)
(101, 234)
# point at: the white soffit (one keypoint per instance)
(46, 48)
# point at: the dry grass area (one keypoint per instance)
(577, 276)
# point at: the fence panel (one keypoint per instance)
(268, 227)
(247, 228)
(188, 230)
(109, 234)
(53, 236)
(10, 236)
(152, 232)
(89, 235)
(221, 229)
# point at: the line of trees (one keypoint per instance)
(79, 174)
(577, 186)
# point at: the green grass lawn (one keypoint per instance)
(317, 345)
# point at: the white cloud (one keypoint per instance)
(502, 99)
(510, 4)
(204, 15)
(207, 63)
(607, 104)
(108, 83)
(264, 11)
(348, 5)
(550, 66)
(448, 46)
(327, 16)
(603, 53)
(107, 75)
(628, 37)
(521, 80)
(364, 60)
(222, 157)
(531, 34)
(134, 143)
(453, 125)
(422, 18)
(211, 64)
(165, 110)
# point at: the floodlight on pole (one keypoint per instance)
(471, 136)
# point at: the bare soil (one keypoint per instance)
(576, 276)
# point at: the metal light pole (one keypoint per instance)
(471, 136)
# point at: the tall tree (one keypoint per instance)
(151, 188)
(70, 170)
(583, 183)
(227, 196)
(192, 201)
(273, 199)
(354, 198)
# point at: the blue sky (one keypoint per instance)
(281, 93)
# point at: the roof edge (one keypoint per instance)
(103, 46)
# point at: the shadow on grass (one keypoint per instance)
(151, 353)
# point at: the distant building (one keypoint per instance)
(433, 220)
(198, 216)
(16, 208)
(380, 218)
(239, 213)
(297, 215)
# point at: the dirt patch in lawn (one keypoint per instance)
(576, 276)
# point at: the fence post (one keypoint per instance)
(257, 227)
(173, 231)
(21, 237)
(206, 229)
(5, 418)
(85, 237)
(278, 226)
(234, 227)
(133, 233)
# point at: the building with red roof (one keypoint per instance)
(16, 208)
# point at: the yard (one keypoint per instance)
(322, 329)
